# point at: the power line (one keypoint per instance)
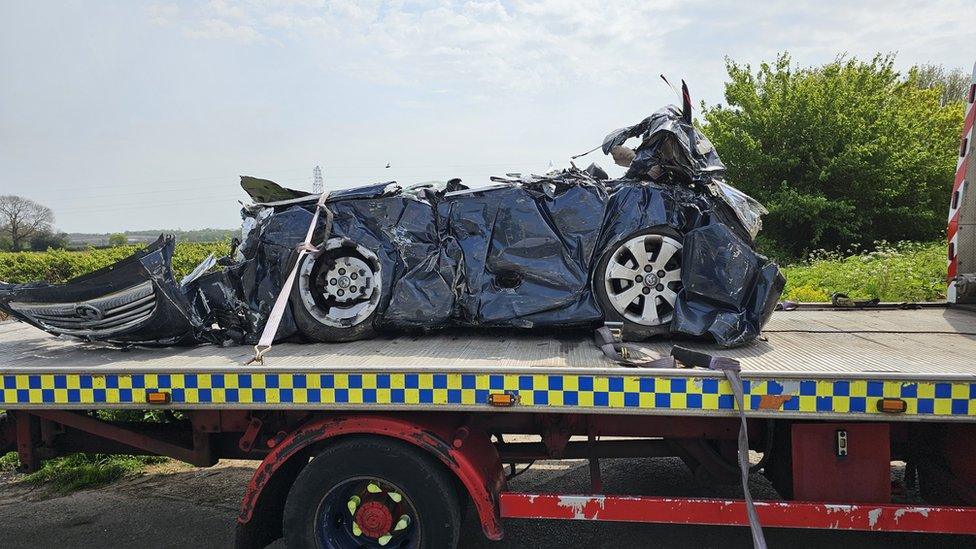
(138, 193)
(187, 191)
(138, 205)
(375, 168)
(184, 200)
(181, 180)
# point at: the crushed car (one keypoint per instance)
(667, 249)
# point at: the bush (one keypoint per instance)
(846, 153)
(906, 271)
(58, 266)
(47, 240)
(117, 239)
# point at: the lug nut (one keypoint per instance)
(647, 268)
(661, 274)
(333, 281)
(340, 292)
(639, 278)
(354, 276)
(659, 287)
(342, 271)
(645, 291)
(352, 289)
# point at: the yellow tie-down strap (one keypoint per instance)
(530, 391)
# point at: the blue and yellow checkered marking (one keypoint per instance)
(533, 390)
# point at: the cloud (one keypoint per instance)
(216, 29)
(488, 47)
(223, 9)
(522, 46)
(162, 14)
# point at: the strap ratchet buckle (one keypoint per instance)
(259, 351)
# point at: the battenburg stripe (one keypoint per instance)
(564, 391)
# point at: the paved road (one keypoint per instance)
(182, 507)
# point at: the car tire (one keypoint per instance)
(318, 512)
(611, 291)
(322, 315)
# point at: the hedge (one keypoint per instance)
(57, 266)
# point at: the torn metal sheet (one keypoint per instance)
(668, 248)
(133, 301)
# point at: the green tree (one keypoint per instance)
(117, 239)
(22, 218)
(48, 240)
(953, 83)
(846, 153)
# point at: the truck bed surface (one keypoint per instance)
(827, 363)
(925, 342)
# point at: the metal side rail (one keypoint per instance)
(732, 512)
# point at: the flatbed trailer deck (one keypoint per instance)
(813, 362)
(898, 383)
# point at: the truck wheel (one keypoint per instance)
(337, 293)
(372, 492)
(638, 280)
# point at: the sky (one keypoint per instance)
(127, 115)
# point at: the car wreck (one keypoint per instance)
(666, 249)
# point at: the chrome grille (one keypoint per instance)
(105, 315)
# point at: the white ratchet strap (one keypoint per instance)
(278, 310)
(731, 368)
(609, 340)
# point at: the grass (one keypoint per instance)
(77, 471)
(906, 271)
(9, 462)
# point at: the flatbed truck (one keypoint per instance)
(384, 443)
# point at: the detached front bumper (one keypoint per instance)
(133, 301)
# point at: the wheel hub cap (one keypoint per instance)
(374, 519)
(349, 279)
(643, 278)
(341, 287)
(378, 515)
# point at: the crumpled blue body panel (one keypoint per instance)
(523, 254)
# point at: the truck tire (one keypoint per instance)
(637, 280)
(336, 295)
(358, 490)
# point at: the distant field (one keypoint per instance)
(100, 240)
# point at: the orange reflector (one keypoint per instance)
(892, 405)
(158, 397)
(502, 399)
